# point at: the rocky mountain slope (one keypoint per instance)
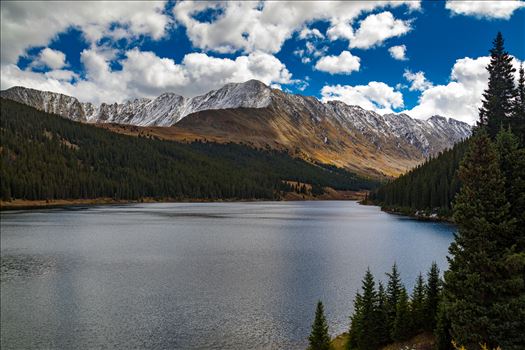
(253, 113)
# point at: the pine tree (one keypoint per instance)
(512, 164)
(433, 297)
(383, 331)
(442, 330)
(393, 290)
(319, 338)
(476, 280)
(354, 333)
(417, 305)
(497, 98)
(518, 125)
(365, 330)
(401, 327)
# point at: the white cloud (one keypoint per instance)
(53, 59)
(340, 30)
(376, 96)
(144, 74)
(345, 63)
(418, 80)
(485, 8)
(264, 26)
(398, 52)
(26, 24)
(375, 29)
(307, 33)
(62, 74)
(461, 98)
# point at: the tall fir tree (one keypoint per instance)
(433, 297)
(383, 331)
(417, 305)
(497, 105)
(366, 328)
(476, 281)
(401, 329)
(319, 339)
(393, 290)
(512, 164)
(442, 330)
(518, 125)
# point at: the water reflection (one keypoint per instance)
(197, 275)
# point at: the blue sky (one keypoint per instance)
(115, 51)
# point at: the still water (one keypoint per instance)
(197, 275)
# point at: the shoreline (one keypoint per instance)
(22, 204)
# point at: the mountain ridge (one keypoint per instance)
(251, 112)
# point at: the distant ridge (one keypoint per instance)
(251, 112)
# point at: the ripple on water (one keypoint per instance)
(21, 266)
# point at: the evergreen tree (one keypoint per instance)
(442, 330)
(476, 281)
(401, 327)
(433, 297)
(383, 331)
(512, 164)
(497, 98)
(417, 305)
(366, 328)
(354, 333)
(518, 125)
(319, 339)
(393, 291)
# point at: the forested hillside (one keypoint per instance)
(431, 186)
(44, 156)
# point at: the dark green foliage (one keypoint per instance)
(476, 282)
(364, 326)
(393, 290)
(512, 165)
(371, 326)
(430, 186)
(44, 156)
(319, 339)
(498, 97)
(442, 330)
(518, 118)
(383, 331)
(433, 297)
(417, 305)
(401, 327)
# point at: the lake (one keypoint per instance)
(198, 275)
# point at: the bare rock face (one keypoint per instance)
(320, 131)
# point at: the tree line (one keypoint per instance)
(385, 314)
(481, 301)
(433, 185)
(44, 156)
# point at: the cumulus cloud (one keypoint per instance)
(50, 58)
(375, 29)
(485, 8)
(418, 81)
(461, 97)
(264, 26)
(345, 63)
(144, 74)
(376, 96)
(398, 52)
(26, 24)
(307, 33)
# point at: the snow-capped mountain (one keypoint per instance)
(252, 112)
(165, 110)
